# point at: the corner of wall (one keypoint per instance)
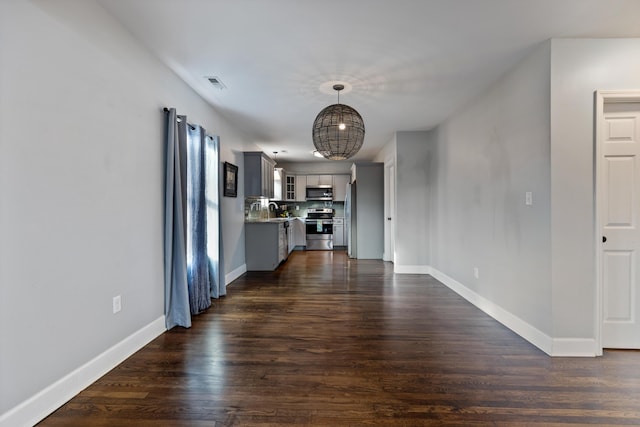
(411, 269)
(517, 325)
(574, 347)
(233, 275)
(43, 403)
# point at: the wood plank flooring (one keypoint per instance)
(328, 341)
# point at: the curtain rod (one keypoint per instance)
(166, 110)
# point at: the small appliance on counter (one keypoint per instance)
(319, 229)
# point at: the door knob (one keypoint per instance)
(388, 218)
(604, 239)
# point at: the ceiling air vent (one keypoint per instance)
(216, 82)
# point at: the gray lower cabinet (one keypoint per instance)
(265, 245)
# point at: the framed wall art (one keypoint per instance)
(230, 180)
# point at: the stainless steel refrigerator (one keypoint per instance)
(350, 220)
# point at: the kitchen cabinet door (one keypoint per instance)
(340, 187)
(290, 188)
(291, 235)
(258, 175)
(338, 235)
(262, 246)
(301, 188)
(338, 232)
(283, 253)
(268, 170)
(299, 232)
(313, 180)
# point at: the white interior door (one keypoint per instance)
(389, 212)
(619, 218)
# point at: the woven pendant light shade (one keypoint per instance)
(338, 131)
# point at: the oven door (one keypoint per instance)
(319, 234)
(320, 226)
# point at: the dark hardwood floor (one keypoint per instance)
(328, 341)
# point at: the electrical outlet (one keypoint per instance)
(117, 304)
(476, 272)
(528, 198)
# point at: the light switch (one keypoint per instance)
(528, 198)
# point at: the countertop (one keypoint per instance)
(269, 221)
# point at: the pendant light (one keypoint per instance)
(338, 130)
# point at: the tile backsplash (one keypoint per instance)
(256, 208)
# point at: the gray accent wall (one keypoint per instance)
(485, 158)
(414, 156)
(81, 179)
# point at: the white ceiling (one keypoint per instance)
(410, 63)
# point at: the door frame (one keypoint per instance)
(389, 211)
(602, 97)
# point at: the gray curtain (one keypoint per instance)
(214, 231)
(194, 188)
(176, 302)
(198, 271)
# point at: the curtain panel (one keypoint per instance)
(176, 295)
(214, 231)
(193, 244)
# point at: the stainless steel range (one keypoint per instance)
(319, 227)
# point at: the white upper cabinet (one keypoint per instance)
(301, 188)
(340, 187)
(298, 184)
(313, 180)
(290, 187)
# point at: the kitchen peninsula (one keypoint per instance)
(267, 243)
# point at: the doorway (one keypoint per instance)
(389, 211)
(618, 219)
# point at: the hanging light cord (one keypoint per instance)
(338, 88)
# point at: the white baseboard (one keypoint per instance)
(228, 278)
(411, 269)
(557, 347)
(574, 347)
(55, 395)
(517, 325)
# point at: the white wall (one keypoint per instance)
(531, 131)
(484, 160)
(81, 178)
(578, 68)
(414, 162)
(388, 152)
